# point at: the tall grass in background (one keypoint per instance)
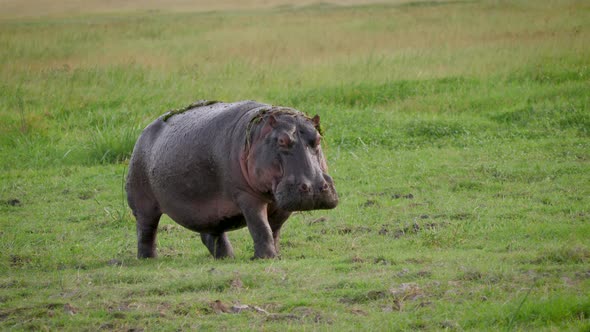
(112, 145)
(90, 82)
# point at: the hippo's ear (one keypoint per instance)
(272, 121)
(316, 123)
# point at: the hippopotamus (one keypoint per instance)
(214, 167)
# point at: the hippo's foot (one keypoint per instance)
(218, 245)
(265, 251)
(146, 252)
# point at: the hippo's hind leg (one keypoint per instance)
(147, 215)
(147, 229)
(218, 245)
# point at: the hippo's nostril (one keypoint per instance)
(325, 187)
(304, 187)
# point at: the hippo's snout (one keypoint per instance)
(302, 194)
(323, 186)
(306, 187)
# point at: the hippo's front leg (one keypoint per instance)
(254, 211)
(276, 220)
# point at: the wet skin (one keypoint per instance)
(220, 167)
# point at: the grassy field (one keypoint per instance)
(458, 134)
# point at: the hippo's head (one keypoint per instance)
(285, 160)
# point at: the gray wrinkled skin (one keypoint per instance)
(221, 167)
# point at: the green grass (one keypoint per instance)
(458, 134)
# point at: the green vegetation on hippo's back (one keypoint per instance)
(196, 104)
(457, 133)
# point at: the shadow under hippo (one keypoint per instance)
(215, 167)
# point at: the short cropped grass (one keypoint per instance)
(458, 134)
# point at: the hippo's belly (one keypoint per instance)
(214, 215)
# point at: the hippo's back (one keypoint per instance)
(184, 132)
(183, 155)
(201, 120)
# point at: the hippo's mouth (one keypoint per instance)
(289, 198)
(314, 202)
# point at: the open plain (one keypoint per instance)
(457, 132)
